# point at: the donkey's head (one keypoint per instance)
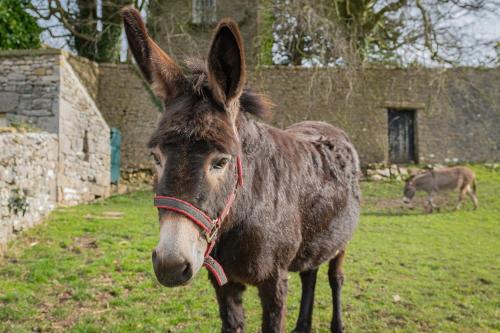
(196, 143)
(409, 190)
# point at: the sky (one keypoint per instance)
(486, 27)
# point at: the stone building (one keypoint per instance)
(184, 28)
(65, 159)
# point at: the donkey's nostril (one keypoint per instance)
(187, 272)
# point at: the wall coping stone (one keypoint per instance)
(28, 52)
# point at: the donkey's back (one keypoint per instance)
(452, 178)
(331, 205)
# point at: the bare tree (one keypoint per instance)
(91, 27)
(326, 32)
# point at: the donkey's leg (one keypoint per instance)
(308, 279)
(230, 299)
(461, 196)
(273, 294)
(473, 197)
(336, 278)
(430, 200)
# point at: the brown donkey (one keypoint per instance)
(240, 196)
(444, 179)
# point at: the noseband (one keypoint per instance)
(208, 226)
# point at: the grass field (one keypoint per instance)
(88, 269)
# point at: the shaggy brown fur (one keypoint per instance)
(299, 204)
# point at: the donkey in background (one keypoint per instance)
(444, 179)
(297, 207)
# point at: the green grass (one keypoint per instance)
(85, 270)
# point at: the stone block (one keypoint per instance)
(40, 71)
(42, 103)
(384, 173)
(8, 101)
(16, 77)
(37, 112)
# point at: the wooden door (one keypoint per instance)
(401, 136)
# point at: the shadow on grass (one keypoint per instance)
(382, 213)
(416, 212)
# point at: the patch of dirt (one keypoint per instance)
(85, 242)
(81, 243)
(95, 306)
(65, 295)
(113, 215)
(105, 216)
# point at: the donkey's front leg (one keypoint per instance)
(230, 299)
(430, 201)
(336, 279)
(273, 294)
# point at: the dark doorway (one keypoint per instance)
(401, 136)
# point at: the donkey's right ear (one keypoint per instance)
(161, 71)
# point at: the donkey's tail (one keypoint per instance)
(474, 185)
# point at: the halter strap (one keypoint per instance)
(208, 226)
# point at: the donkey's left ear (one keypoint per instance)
(226, 62)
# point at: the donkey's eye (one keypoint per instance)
(156, 159)
(220, 163)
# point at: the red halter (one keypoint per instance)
(207, 225)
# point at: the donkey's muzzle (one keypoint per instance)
(171, 272)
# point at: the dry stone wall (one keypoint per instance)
(29, 90)
(126, 103)
(41, 88)
(457, 110)
(84, 151)
(39, 170)
(28, 175)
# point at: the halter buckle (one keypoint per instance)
(210, 237)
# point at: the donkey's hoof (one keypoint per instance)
(337, 328)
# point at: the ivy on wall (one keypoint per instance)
(18, 29)
(265, 39)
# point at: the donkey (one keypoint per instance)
(249, 201)
(445, 179)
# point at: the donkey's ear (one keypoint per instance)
(226, 62)
(161, 71)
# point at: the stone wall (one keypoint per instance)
(28, 171)
(84, 151)
(126, 103)
(41, 88)
(87, 71)
(29, 90)
(457, 109)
